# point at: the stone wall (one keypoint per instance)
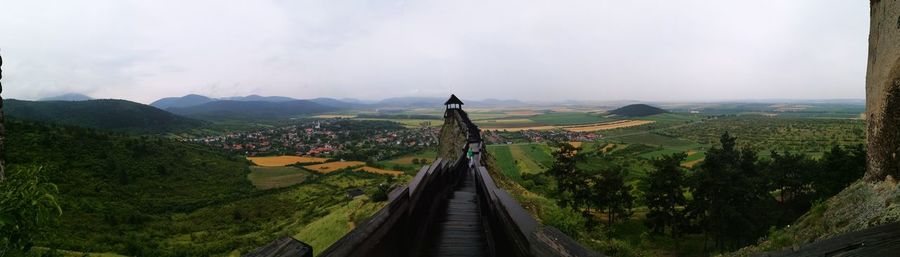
(883, 90)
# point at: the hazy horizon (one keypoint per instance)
(654, 51)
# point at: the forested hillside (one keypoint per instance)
(106, 114)
(151, 196)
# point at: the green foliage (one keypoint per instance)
(106, 114)
(608, 191)
(568, 178)
(565, 219)
(637, 110)
(28, 203)
(664, 195)
(729, 197)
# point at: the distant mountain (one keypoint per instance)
(67, 97)
(259, 98)
(184, 101)
(106, 114)
(420, 102)
(637, 110)
(228, 109)
(337, 103)
(490, 102)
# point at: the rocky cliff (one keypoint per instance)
(883, 90)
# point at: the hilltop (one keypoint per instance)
(67, 97)
(178, 102)
(106, 114)
(637, 110)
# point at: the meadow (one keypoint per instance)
(276, 177)
(284, 160)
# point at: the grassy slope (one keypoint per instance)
(276, 177)
(859, 206)
(342, 218)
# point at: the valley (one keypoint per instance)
(312, 176)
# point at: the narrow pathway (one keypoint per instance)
(459, 232)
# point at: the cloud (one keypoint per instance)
(586, 50)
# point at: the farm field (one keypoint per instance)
(428, 155)
(517, 159)
(379, 171)
(326, 168)
(276, 177)
(410, 123)
(608, 125)
(284, 160)
(804, 135)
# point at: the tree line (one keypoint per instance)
(733, 197)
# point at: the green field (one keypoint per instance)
(569, 118)
(341, 219)
(276, 177)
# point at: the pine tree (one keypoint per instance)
(568, 179)
(665, 194)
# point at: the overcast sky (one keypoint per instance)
(554, 50)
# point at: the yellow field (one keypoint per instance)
(379, 171)
(521, 128)
(579, 128)
(333, 166)
(608, 125)
(576, 144)
(284, 160)
(608, 147)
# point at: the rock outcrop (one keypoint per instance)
(883, 91)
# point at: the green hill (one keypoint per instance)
(106, 114)
(637, 110)
(151, 196)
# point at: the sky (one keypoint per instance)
(651, 50)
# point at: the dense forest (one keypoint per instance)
(729, 200)
(105, 114)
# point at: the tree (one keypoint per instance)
(665, 194)
(610, 193)
(790, 177)
(729, 197)
(568, 179)
(838, 168)
(27, 203)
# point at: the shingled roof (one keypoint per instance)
(453, 100)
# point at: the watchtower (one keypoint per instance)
(453, 103)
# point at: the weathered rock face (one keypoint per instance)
(883, 91)
(453, 135)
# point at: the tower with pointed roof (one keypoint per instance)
(453, 103)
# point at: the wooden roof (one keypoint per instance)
(453, 100)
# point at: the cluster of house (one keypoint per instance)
(323, 137)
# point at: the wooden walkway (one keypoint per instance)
(459, 232)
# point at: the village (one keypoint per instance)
(336, 138)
